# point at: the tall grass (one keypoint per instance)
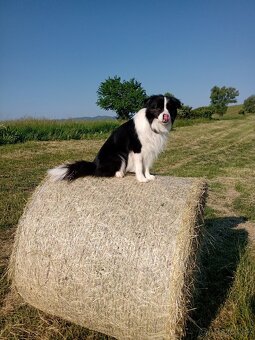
(19, 131)
(12, 132)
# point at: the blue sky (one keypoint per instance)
(55, 53)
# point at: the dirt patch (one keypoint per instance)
(222, 203)
(249, 226)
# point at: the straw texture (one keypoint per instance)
(112, 255)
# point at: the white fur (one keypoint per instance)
(138, 161)
(130, 163)
(165, 102)
(160, 117)
(121, 172)
(153, 139)
(58, 173)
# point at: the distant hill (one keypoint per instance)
(91, 118)
(234, 109)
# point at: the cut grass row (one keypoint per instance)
(222, 152)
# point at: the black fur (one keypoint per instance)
(172, 106)
(79, 169)
(108, 160)
(155, 105)
(121, 143)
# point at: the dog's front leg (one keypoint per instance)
(148, 175)
(138, 160)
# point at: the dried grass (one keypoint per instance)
(112, 255)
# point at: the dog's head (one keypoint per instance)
(161, 109)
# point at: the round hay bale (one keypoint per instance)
(112, 255)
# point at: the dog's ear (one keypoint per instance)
(148, 101)
(175, 102)
(173, 105)
(151, 102)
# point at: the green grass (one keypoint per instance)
(12, 132)
(222, 152)
(236, 317)
(20, 131)
(234, 110)
(245, 202)
(232, 113)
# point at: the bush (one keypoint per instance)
(249, 104)
(185, 112)
(202, 112)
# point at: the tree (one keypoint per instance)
(168, 94)
(221, 97)
(249, 104)
(123, 97)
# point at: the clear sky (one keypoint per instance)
(55, 53)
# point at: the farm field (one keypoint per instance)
(24, 130)
(222, 152)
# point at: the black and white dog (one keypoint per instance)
(132, 147)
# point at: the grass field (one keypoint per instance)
(20, 131)
(221, 151)
(13, 132)
(23, 130)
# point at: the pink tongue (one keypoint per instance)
(166, 118)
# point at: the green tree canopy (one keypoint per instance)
(221, 97)
(168, 94)
(249, 104)
(123, 97)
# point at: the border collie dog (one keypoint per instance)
(132, 147)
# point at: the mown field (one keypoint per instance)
(222, 152)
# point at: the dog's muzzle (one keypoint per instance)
(166, 118)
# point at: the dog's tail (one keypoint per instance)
(70, 172)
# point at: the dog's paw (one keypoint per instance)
(119, 174)
(142, 179)
(150, 177)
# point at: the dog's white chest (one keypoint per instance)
(152, 146)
